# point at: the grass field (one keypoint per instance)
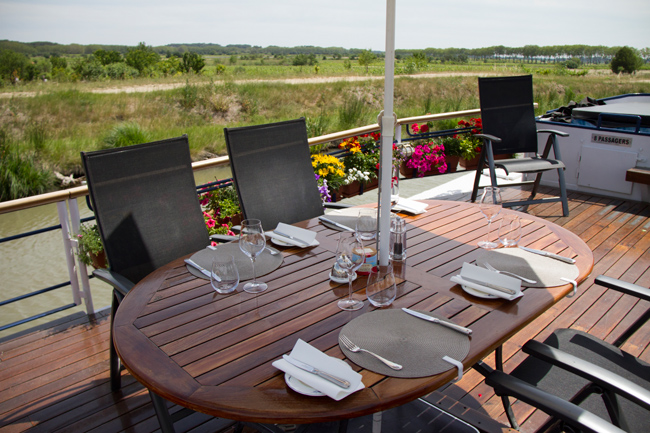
(57, 121)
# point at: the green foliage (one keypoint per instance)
(366, 57)
(120, 71)
(12, 65)
(143, 58)
(219, 69)
(20, 174)
(58, 62)
(573, 63)
(106, 57)
(626, 60)
(87, 68)
(351, 112)
(192, 62)
(89, 241)
(125, 134)
(170, 66)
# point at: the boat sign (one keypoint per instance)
(611, 139)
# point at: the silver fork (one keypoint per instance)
(493, 269)
(354, 348)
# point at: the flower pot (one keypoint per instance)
(235, 220)
(98, 260)
(471, 164)
(350, 190)
(452, 163)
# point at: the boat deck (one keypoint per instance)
(57, 378)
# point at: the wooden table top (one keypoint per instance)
(213, 353)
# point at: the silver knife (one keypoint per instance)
(337, 380)
(547, 254)
(293, 238)
(204, 271)
(339, 225)
(453, 326)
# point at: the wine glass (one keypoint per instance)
(510, 230)
(490, 206)
(252, 242)
(366, 227)
(224, 276)
(350, 256)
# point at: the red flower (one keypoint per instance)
(424, 129)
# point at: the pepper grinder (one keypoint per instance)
(397, 242)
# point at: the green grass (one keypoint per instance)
(62, 120)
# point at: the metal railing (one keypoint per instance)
(70, 220)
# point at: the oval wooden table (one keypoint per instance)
(213, 353)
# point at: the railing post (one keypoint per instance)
(75, 219)
(62, 209)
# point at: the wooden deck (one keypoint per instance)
(56, 379)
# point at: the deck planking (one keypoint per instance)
(57, 379)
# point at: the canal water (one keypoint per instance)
(36, 262)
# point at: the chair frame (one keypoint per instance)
(486, 160)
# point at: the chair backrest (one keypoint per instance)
(146, 205)
(272, 170)
(507, 112)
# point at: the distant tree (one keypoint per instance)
(626, 60)
(107, 57)
(347, 64)
(58, 62)
(233, 60)
(192, 62)
(573, 63)
(141, 57)
(366, 57)
(300, 60)
(12, 65)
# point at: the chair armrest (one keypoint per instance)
(223, 238)
(555, 132)
(492, 138)
(337, 205)
(585, 369)
(624, 287)
(504, 384)
(120, 283)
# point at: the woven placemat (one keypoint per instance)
(264, 263)
(414, 343)
(545, 270)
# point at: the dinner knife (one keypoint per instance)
(453, 326)
(293, 238)
(336, 380)
(547, 254)
(204, 271)
(339, 225)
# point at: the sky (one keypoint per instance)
(331, 23)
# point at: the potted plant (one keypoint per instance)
(330, 172)
(450, 144)
(221, 210)
(90, 249)
(470, 146)
(360, 164)
(427, 159)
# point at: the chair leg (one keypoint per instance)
(563, 194)
(477, 176)
(114, 360)
(162, 412)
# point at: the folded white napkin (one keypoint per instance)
(299, 234)
(308, 354)
(487, 281)
(410, 206)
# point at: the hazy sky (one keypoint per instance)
(340, 23)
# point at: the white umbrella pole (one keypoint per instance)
(387, 133)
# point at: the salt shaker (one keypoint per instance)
(397, 241)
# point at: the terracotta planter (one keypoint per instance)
(356, 188)
(452, 163)
(471, 164)
(98, 260)
(234, 220)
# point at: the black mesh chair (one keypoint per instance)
(271, 167)
(579, 379)
(508, 118)
(148, 213)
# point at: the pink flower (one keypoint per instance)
(415, 128)
(213, 244)
(210, 223)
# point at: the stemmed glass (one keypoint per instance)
(252, 242)
(350, 256)
(490, 206)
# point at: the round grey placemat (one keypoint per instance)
(264, 263)
(545, 270)
(414, 343)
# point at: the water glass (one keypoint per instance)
(510, 230)
(366, 227)
(381, 289)
(224, 275)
